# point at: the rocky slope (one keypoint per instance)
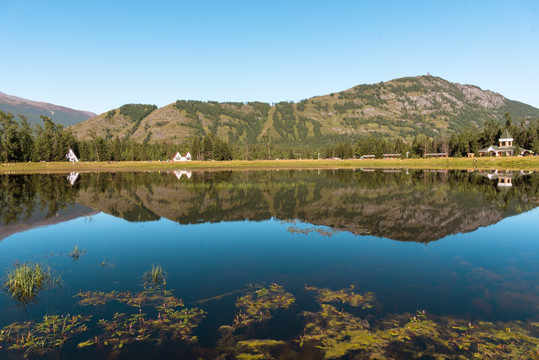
(402, 107)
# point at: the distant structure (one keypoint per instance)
(504, 178)
(72, 177)
(71, 156)
(505, 147)
(179, 157)
(180, 173)
(439, 155)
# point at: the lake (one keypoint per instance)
(294, 264)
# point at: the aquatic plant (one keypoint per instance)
(125, 328)
(148, 297)
(259, 302)
(24, 281)
(256, 349)
(416, 336)
(486, 340)
(77, 253)
(168, 323)
(105, 264)
(338, 332)
(344, 296)
(42, 337)
(155, 276)
(235, 346)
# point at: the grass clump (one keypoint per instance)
(25, 281)
(77, 253)
(156, 276)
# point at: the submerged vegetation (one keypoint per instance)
(165, 319)
(329, 333)
(419, 336)
(344, 296)
(41, 337)
(77, 253)
(24, 281)
(259, 302)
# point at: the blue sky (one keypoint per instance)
(98, 55)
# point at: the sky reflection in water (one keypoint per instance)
(489, 274)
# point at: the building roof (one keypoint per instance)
(506, 135)
(504, 148)
(497, 148)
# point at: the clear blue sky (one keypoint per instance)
(98, 55)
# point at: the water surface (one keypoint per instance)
(462, 247)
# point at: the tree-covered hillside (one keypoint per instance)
(401, 108)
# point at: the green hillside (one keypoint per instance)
(401, 108)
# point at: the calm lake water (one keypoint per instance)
(274, 264)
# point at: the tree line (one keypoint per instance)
(525, 134)
(19, 142)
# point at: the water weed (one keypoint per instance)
(41, 337)
(259, 302)
(343, 296)
(156, 276)
(77, 253)
(25, 281)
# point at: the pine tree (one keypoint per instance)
(196, 148)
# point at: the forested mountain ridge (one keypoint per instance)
(402, 108)
(33, 109)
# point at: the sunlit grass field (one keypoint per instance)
(506, 163)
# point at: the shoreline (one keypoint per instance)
(506, 163)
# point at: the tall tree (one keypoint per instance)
(196, 148)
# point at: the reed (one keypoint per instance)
(25, 281)
(156, 276)
(77, 253)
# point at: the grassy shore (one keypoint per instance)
(507, 163)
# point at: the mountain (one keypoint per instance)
(402, 107)
(419, 206)
(32, 109)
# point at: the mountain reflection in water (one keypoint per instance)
(275, 286)
(405, 205)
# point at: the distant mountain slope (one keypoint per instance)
(401, 107)
(33, 109)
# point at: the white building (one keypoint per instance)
(180, 173)
(179, 157)
(71, 156)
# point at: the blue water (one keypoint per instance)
(491, 273)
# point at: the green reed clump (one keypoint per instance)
(156, 276)
(25, 281)
(77, 253)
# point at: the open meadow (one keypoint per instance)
(491, 163)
